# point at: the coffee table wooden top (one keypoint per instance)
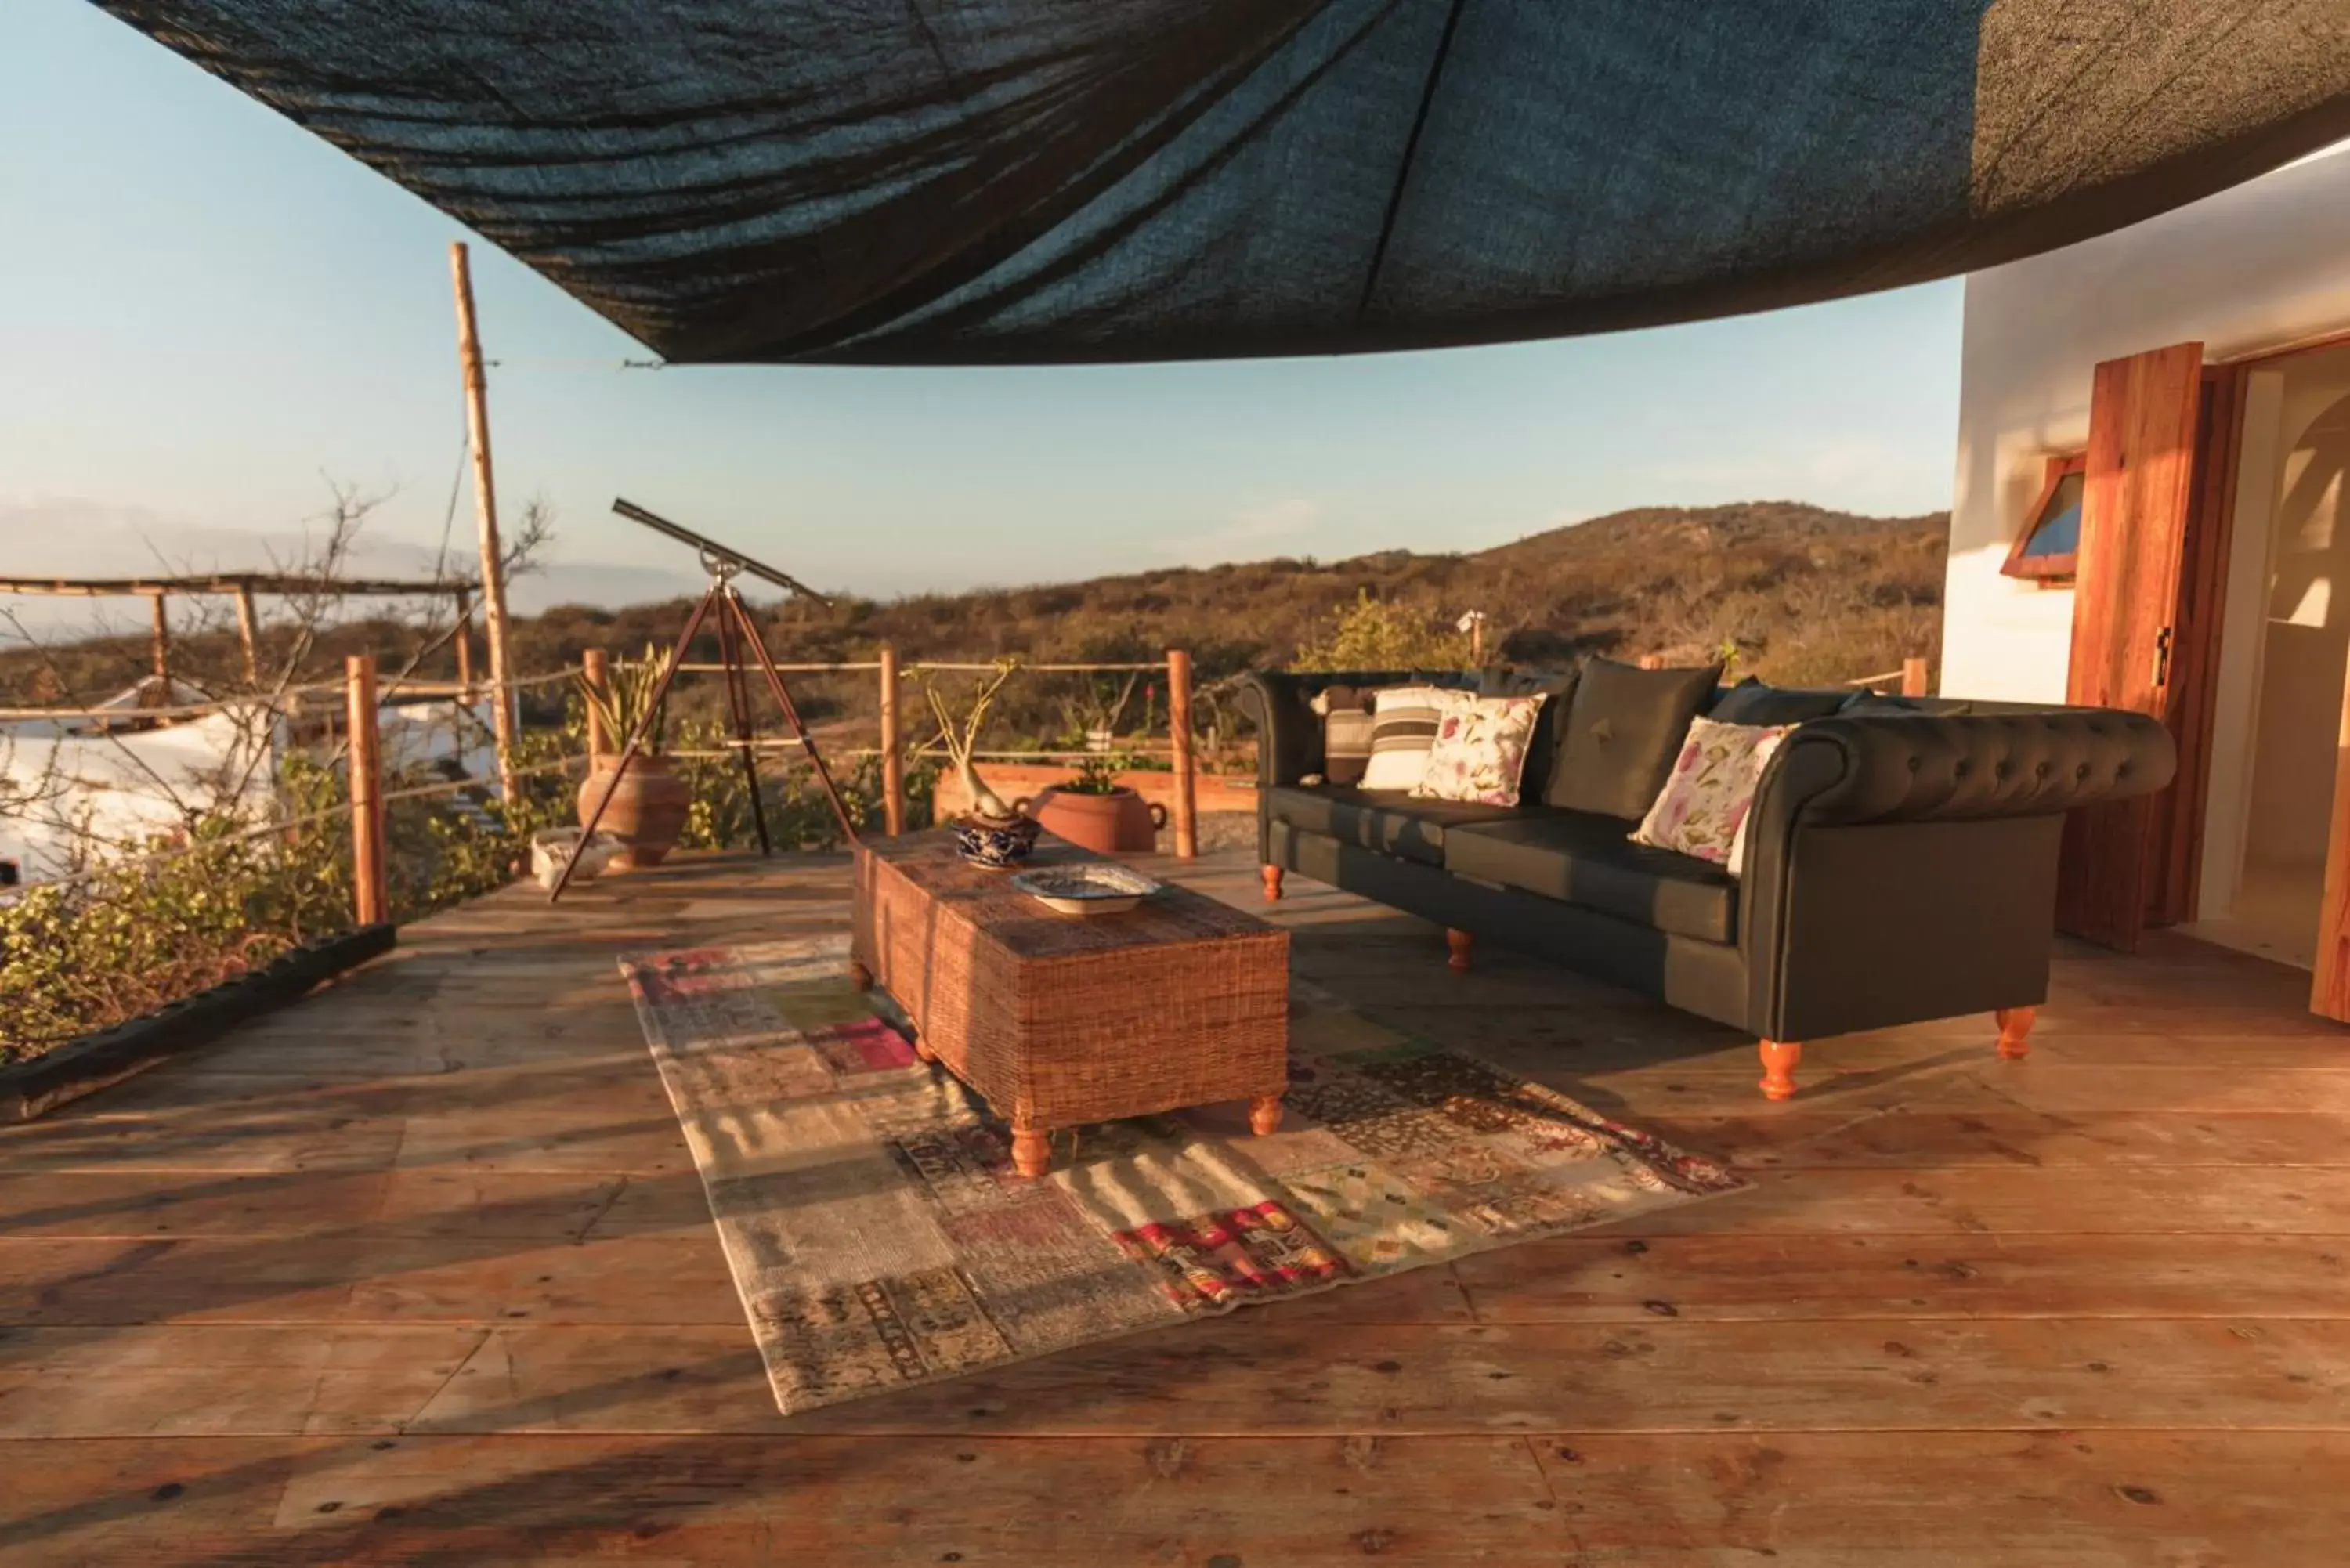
(1027, 929)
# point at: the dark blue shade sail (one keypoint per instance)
(939, 181)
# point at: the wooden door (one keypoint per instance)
(2329, 991)
(2175, 881)
(2135, 509)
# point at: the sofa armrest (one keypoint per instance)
(1288, 731)
(1919, 767)
(1870, 829)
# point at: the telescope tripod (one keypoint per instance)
(737, 633)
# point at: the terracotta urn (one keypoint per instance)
(648, 811)
(1118, 823)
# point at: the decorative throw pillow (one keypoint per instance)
(1751, 703)
(1701, 812)
(1542, 751)
(1623, 729)
(1403, 727)
(1345, 732)
(1480, 750)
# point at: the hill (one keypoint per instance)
(1804, 594)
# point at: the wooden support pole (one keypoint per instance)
(1913, 676)
(598, 678)
(370, 892)
(464, 641)
(485, 506)
(248, 634)
(159, 647)
(893, 759)
(1185, 816)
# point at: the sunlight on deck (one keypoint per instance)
(422, 1266)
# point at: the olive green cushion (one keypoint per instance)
(1624, 727)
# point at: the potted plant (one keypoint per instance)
(1096, 811)
(648, 802)
(991, 832)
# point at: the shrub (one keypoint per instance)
(1383, 634)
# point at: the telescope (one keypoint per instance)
(740, 650)
(714, 555)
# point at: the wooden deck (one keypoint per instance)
(419, 1270)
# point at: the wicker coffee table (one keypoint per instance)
(1058, 1020)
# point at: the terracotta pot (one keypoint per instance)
(1118, 823)
(648, 811)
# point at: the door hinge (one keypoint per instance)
(2162, 658)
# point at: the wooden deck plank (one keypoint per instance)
(1737, 1275)
(2098, 1296)
(1899, 1139)
(815, 1500)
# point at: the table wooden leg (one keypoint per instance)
(1032, 1151)
(859, 976)
(1264, 1114)
(923, 1050)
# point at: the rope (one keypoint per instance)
(265, 700)
(336, 813)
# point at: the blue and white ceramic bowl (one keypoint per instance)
(999, 846)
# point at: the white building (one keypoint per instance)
(2208, 490)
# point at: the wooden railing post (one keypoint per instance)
(598, 680)
(1913, 676)
(485, 506)
(893, 759)
(1185, 817)
(370, 892)
(248, 633)
(465, 643)
(159, 647)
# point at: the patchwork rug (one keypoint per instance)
(880, 1237)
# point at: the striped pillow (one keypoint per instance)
(1403, 730)
(1346, 715)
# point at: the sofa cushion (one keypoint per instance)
(1624, 728)
(1391, 824)
(1884, 702)
(1480, 750)
(1704, 807)
(1751, 703)
(1589, 860)
(1346, 715)
(1403, 730)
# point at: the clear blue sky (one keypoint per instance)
(207, 310)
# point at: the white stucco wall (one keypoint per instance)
(2255, 267)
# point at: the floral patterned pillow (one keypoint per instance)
(1701, 811)
(1479, 749)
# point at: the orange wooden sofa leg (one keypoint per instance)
(2015, 1031)
(1461, 943)
(1779, 1059)
(1272, 875)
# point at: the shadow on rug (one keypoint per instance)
(880, 1237)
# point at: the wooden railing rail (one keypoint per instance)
(1182, 816)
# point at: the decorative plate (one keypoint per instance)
(1097, 888)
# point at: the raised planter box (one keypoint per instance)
(83, 1066)
(1016, 781)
